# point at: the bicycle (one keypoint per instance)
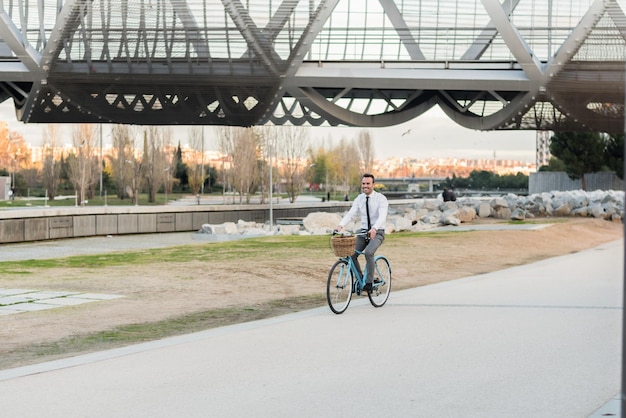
(344, 279)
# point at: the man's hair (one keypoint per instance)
(370, 176)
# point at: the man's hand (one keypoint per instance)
(371, 233)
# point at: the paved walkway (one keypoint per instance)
(101, 244)
(13, 301)
(541, 340)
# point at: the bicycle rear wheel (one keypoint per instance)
(339, 287)
(382, 273)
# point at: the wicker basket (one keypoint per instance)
(343, 246)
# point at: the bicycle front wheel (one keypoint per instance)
(382, 282)
(339, 287)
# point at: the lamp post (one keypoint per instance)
(202, 160)
(13, 174)
(100, 162)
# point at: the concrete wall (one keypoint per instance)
(548, 181)
(41, 224)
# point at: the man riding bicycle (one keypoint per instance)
(372, 207)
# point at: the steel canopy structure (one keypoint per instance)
(489, 64)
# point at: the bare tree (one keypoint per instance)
(155, 162)
(344, 164)
(137, 170)
(292, 144)
(51, 169)
(195, 168)
(241, 145)
(245, 163)
(123, 151)
(366, 151)
(83, 166)
(226, 142)
(267, 147)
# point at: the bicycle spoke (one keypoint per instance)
(339, 287)
(382, 282)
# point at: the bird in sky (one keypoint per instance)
(406, 133)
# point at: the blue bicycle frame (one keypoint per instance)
(359, 279)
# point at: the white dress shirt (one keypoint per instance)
(378, 207)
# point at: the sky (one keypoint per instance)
(432, 135)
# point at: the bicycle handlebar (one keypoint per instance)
(349, 233)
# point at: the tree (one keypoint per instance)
(366, 151)
(123, 154)
(195, 168)
(83, 166)
(14, 152)
(344, 164)
(320, 168)
(180, 168)
(581, 152)
(291, 145)
(614, 154)
(242, 146)
(155, 163)
(245, 160)
(51, 169)
(553, 165)
(481, 179)
(268, 152)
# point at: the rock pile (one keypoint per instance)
(425, 214)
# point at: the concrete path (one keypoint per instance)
(542, 340)
(102, 244)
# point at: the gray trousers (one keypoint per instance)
(369, 249)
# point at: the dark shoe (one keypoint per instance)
(367, 288)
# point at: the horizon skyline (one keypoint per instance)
(432, 135)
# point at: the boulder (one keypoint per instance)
(398, 223)
(595, 210)
(430, 204)
(321, 220)
(499, 203)
(502, 213)
(466, 214)
(448, 218)
(563, 210)
(432, 218)
(288, 229)
(225, 228)
(518, 214)
(484, 210)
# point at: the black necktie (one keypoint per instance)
(367, 211)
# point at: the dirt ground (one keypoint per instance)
(167, 290)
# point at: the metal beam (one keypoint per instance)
(576, 38)
(514, 40)
(255, 38)
(486, 37)
(19, 45)
(363, 76)
(402, 29)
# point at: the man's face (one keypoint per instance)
(367, 185)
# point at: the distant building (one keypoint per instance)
(543, 148)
